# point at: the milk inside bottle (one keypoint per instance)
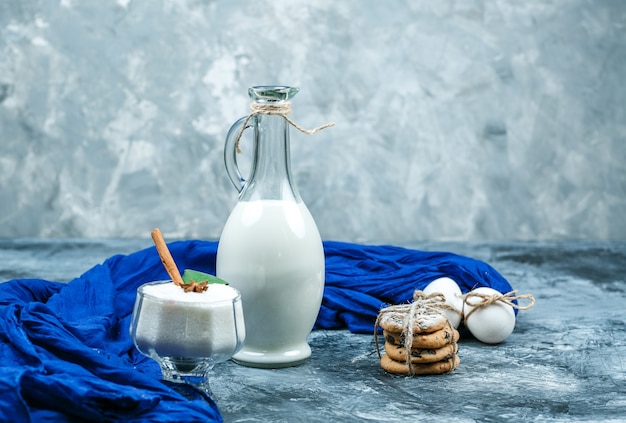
(271, 251)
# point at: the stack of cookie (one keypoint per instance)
(432, 348)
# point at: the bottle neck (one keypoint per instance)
(270, 175)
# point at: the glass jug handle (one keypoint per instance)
(230, 153)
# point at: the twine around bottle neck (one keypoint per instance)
(280, 109)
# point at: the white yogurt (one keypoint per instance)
(173, 323)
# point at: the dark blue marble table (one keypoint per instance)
(565, 361)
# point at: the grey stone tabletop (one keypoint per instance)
(564, 362)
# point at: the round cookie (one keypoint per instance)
(428, 355)
(424, 323)
(401, 368)
(433, 340)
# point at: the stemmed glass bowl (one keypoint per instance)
(187, 333)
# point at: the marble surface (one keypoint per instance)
(455, 120)
(564, 362)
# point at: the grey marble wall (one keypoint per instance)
(455, 120)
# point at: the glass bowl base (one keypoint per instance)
(191, 371)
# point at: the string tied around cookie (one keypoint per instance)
(508, 298)
(280, 109)
(423, 306)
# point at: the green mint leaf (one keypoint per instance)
(196, 276)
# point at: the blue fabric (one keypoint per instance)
(66, 354)
(360, 280)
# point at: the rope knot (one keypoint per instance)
(280, 109)
(484, 300)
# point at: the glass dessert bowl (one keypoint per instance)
(187, 333)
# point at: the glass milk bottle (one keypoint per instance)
(270, 248)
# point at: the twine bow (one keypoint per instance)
(282, 109)
(485, 300)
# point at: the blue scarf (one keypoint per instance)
(66, 353)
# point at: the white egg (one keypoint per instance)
(452, 293)
(491, 324)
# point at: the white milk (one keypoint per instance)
(173, 323)
(271, 251)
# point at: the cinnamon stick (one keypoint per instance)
(166, 257)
